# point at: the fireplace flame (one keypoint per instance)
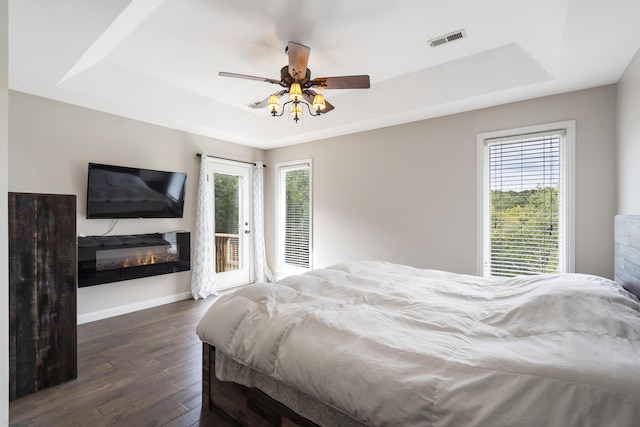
(145, 259)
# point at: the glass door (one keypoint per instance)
(231, 222)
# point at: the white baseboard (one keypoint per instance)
(129, 308)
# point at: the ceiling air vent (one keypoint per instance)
(447, 38)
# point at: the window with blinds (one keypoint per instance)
(526, 205)
(294, 216)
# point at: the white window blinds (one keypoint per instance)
(295, 215)
(524, 204)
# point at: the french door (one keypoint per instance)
(230, 183)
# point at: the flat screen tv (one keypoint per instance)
(124, 192)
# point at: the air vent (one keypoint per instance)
(447, 38)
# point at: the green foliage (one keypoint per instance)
(226, 203)
(297, 185)
(524, 232)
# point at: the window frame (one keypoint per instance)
(567, 173)
(282, 268)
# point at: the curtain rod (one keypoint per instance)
(230, 160)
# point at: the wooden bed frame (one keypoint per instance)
(240, 405)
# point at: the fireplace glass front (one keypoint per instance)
(105, 259)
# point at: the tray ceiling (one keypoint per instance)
(158, 60)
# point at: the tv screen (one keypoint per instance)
(124, 192)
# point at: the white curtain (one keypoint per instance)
(262, 271)
(203, 278)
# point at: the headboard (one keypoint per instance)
(627, 252)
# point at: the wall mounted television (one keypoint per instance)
(125, 192)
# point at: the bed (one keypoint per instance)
(381, 344)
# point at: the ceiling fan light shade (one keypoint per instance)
(296, 111)
(295, 92)
(274, 103)
(318, 103)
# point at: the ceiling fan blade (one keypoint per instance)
(298, 59)
(246, 77)
(264, 102)
(308, 96)
(341, 82)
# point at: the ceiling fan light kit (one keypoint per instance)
(296, 79)
(295, 110)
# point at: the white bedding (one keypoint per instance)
(393, 345)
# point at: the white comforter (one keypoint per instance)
(397, 346)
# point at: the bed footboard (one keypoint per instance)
(240, 405)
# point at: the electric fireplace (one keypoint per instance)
(106, 259)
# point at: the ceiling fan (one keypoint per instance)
(296, 79)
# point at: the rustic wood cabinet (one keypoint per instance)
(42, 292)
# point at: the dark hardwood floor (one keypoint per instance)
(138, 369)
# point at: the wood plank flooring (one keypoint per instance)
(138, 369)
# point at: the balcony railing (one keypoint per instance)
(227, 252)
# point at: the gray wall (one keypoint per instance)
(51, 144)
(407, 193)
(629, 139)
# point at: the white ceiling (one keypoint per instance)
(158, 60)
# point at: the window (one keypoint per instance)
(294, 216)
(526, 200)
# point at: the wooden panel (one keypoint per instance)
(243, 406)
(42, 296)
(22, 295)
(627, 252)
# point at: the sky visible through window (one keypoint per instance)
(525, 164)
